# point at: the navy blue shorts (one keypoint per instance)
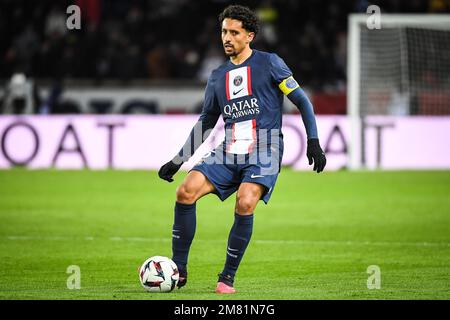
(227, 177)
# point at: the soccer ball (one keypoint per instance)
(159, 274)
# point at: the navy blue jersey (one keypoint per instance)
(248, 97)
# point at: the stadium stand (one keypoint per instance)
(177, 40)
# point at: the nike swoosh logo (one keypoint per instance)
(236, 92)
(253, 176)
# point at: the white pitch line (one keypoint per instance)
(355, 243)
(257, 241)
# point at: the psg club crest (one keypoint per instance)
(237, 81)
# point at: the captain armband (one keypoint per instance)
(288, 85)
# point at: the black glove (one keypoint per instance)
(168, 170)
(315, 152)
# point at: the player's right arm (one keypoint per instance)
(199, 133)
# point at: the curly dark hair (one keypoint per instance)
(248, 18)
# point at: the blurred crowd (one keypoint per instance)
(176, 39)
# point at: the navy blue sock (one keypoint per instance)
(183, 232)
(239, 237)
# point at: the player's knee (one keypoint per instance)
(245, 205)
(185, 196)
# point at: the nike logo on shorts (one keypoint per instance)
(253, 176)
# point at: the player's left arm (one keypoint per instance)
(298, 97)
(282, 75)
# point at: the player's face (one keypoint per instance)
(235, 38)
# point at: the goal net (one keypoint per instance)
(403, 68)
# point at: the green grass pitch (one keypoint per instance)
(315, 239)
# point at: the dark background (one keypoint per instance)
(176, 39)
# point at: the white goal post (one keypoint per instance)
(403, 68)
